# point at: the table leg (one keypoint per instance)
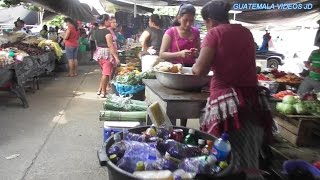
(183, 122)
(20, 92)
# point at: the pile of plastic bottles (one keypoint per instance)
(165, 153)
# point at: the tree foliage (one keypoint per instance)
(11, 3)
(56, 21)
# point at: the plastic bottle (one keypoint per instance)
(169, 163)
(129, 136)
(222, 147)
(118, 148)
(155, 175)
(190, 138)
(201, 143)
(201, 164)
(152, 131)
(136, 151)
(177, 150)
(114, 158)
(207, 149)
(140, 166)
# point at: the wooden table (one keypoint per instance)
(177, 104)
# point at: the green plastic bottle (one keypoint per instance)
(190, 138)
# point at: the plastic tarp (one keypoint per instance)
(7, 17)
(260, 16)
(71, 8)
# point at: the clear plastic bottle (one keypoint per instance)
(222, 147)
(201, 164)
(201, 143)
(169, 163)
(118, 148)
(178, 150)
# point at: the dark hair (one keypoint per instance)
(216, 10)
(71, 21)
(184, 9)
(45, 27)
(155, 18)
(102, 18)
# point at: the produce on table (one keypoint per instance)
(282, 94)
(32, 50)
(168, 67)
(313, 107)
(310, 96)
(278, 74)
(262, 77)
(291, 105)
(52, 45)
(289, 99)
(134, 77)
(289, 78)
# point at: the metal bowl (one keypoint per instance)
(185, 81)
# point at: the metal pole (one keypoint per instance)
(135, 9)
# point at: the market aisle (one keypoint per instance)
(58, 136)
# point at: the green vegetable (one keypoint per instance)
(289, 99)
(285, 108)
(123, 116)
(280, 106)
(288, 109)
(300, 108)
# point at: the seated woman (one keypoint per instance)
(181, 43)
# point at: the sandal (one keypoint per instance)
(98, 92)
(102, 96)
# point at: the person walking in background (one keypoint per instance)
(44, 32)
(236, 104)
(121, 40)
(92, 39)
(104, 53)
(71, 43)
(265, 43)
(112, 29)
(151, 40)
(181, 43)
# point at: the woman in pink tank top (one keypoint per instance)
(181, 43)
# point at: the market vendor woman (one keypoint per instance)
(180, 43)
(235, 104)
(312, 82)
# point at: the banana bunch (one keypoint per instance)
(53, 45)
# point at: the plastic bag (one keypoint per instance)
(120, 103)
(124, 89)
(136, 151)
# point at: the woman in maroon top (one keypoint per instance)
(71, 39)
(236, 104)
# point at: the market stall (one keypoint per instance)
(24, 59)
